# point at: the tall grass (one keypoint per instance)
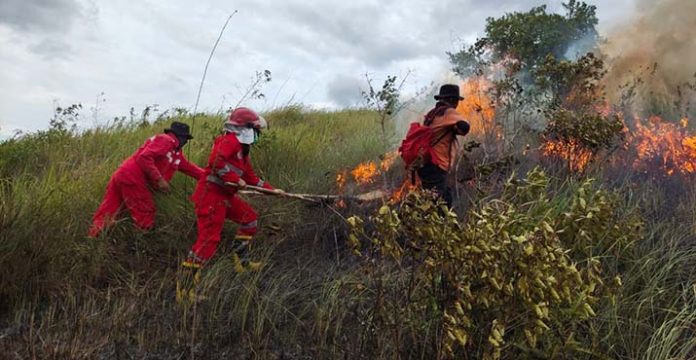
(65, 296)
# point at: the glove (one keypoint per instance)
(163, 185)
(462, 127)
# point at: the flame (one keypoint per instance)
(341, 179)
(388, 160)
(477, 107)
(577, 156)
(406, 187)
(656, 145)
(365, 173)
(664, 145)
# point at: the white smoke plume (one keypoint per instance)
(659, 48)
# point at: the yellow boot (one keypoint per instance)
(188, 281)
(240, 257)
(237, 264)
(254, 265)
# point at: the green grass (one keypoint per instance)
(65, 296)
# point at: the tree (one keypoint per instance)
(525, 39)
(571, 84)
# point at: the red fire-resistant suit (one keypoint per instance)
(215, 202)
(159, 158)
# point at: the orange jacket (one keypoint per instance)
(445, 130)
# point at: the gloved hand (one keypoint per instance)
(163, 185)
(462, 128)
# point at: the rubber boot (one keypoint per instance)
(241, 260)
(188, 280)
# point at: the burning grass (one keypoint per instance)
(666, 147)
(653, 146)
(575, 155)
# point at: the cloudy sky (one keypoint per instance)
(145, 52)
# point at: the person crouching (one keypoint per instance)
(150, 168)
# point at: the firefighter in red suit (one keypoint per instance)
(151, 167)
(214, 201)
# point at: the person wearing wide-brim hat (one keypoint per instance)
(151, 167)
(446, 123)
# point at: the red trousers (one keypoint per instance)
(137, 199)
(211, 214)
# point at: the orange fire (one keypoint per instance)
(575, 155)
(341, 179)
(477, 107)
(388, 160)
(365, 173)
(403, 190)
(656, 145)
(664, 145)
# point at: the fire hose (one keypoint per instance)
(315, 198)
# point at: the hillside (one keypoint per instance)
(66, 296)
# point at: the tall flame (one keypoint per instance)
(477, 107)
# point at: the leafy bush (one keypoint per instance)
(578, 137)
(516, 277)
(578, 127)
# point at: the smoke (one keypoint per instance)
(581, 47)
(658, 51)
(417, 106)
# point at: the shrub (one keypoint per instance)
(511, 279)
(578, 137)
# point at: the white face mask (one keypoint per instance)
(244, 135)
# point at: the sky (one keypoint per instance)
(113, 55)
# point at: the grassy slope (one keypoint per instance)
(52, 183)
(62, 295)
